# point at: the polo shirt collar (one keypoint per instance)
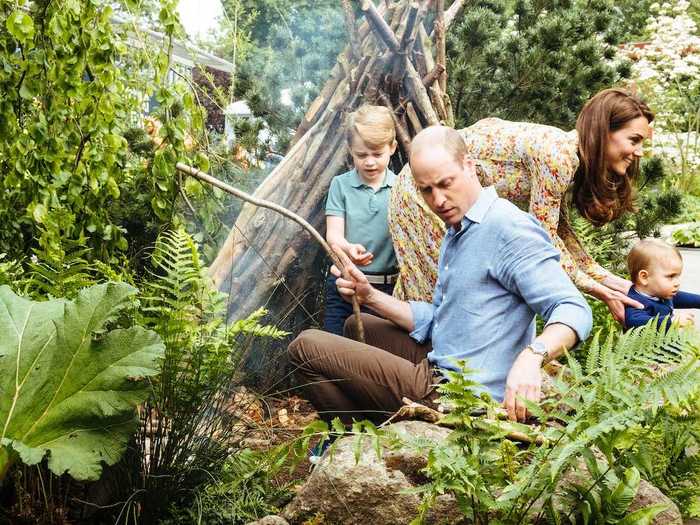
(388, 182)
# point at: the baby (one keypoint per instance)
(655, 269)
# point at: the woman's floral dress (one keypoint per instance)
(531, 165)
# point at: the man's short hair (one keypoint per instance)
(443, 136)
(645, 252)
(374, 125)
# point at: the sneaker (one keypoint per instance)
(319, 450)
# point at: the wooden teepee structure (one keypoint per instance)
(391, 60)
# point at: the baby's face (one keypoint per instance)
(664, 276)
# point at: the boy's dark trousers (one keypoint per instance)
(338, 310)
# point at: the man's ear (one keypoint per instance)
(469, 167)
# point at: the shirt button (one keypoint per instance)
(447, 266)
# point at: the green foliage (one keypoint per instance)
(531, 61)
(68, 386)
(190, 425)
(290, 46)
(689, 236)
(606, 412)
(242, 494)
(73, 85)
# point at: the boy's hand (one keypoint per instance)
(359, 255)
(684, 318)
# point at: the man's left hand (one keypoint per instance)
(524, 382)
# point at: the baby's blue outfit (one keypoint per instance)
(653, 306)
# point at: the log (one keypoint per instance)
(267, 260)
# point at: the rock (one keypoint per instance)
(648, 494)
(270, 520)
(373, 490)
(377, 490)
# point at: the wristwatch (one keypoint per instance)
(539, 348)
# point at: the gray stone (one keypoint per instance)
(648, 494)
(373, 490)
(270, 520)
(378, 490)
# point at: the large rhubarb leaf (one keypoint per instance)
(67, 387)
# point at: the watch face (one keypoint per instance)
(538, 347)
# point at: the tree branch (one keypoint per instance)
(333, 252)
(379, 25)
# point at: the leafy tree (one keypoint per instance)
(73, 85)
(290, 47)
(531, 61)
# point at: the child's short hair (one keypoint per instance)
(645, 252)
(373, 124)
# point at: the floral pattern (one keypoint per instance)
(531, 165)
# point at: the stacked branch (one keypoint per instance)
(391, 61)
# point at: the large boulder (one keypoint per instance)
(377, 490)
(374, 490)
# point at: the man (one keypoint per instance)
(497, 269)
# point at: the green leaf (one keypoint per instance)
(202, 161)
(20, 25)
(643, 516)
(624, 493)
(67, 387)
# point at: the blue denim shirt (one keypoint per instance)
(494, 274)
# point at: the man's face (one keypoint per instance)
(444, 183)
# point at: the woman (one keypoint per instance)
(544, 169)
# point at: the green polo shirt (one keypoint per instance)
(366, 214)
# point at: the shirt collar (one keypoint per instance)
(643, 294)
(477, 212)
(388, 182)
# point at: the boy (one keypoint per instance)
(357, 208)
(655, 269)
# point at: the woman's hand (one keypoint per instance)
(614, 282)
(615, 301)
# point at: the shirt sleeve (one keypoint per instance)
(524, 257)
(552, 164)
(335, 203)
(686, 300)
(636, 317)
(424, 314)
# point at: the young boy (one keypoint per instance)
(655, 269)
(357, 209)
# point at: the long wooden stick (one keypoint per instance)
(198, 174)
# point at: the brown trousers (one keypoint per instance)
(351, 380)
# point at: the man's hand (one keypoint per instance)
(683, 318)
(524, 381)
(357, 285)
(359, 254)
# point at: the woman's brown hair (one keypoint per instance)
(599, 195)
